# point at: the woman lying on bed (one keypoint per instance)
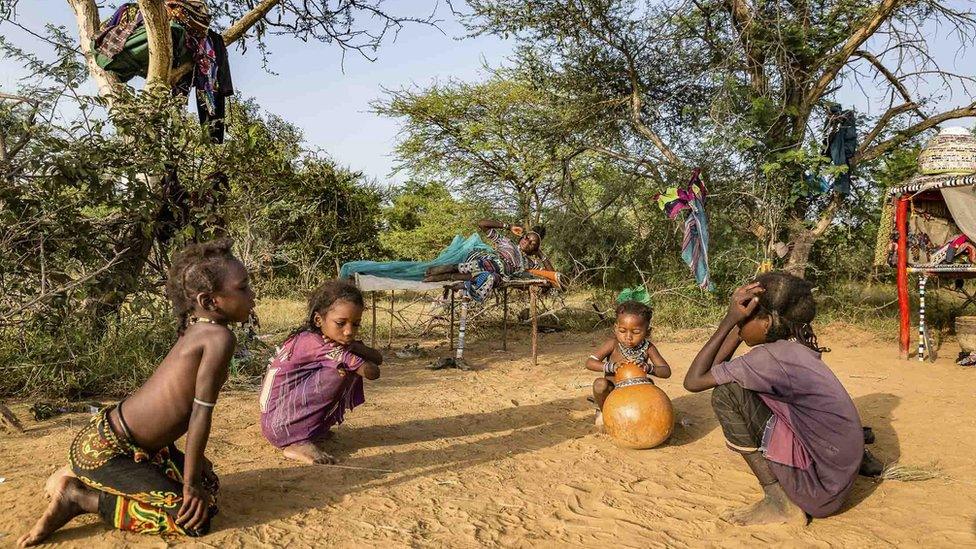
(482, 270)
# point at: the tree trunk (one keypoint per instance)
(156, 21)
(111, 289)
(803, 238)
(86, 16)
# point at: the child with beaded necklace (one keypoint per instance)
(124, 465)
(631, 343)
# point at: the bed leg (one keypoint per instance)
(462, 327)
(373, 337)
(450, 330)
(505, 319)
(392, 311)
(533, 292)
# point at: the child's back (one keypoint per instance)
(158, 413)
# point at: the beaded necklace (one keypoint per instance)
(636, 354)
(202, 320)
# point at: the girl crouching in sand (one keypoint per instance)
(123, 465)
(317, 374)
(630, 343)
(779, 405)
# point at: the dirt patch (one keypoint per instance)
(505, 455)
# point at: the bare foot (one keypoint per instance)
(69, 499)
(598, 421)
(307, 452)
(774, 508)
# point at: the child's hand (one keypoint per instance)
(745, 299)
(193, 513)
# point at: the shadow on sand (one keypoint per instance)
(510, 431)
(875, 410)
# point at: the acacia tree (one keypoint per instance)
(754, 76)
(492, 140)
(147, 214)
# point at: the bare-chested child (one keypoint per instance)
(318, 374)
(124, 465)
(630, 343)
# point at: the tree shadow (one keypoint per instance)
(350, 439)
(875, 411)
(289, 490)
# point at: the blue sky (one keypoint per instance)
(330, 101)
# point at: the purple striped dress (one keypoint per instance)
(309, 385)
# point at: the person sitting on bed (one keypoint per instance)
(482, 270)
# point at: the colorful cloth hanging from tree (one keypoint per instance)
(694, 246)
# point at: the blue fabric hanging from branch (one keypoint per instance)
(841, 144)
(694, 245)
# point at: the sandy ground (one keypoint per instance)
(506, 455)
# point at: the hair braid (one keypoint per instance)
(197, 268)
(789, 304)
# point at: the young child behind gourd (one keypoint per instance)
(630, 342)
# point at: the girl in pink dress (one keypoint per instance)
(317, 374)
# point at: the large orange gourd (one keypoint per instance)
(637, 414)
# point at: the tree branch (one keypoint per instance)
(866, 154)
(836, 62)
(884, 120)
(636, 105)
(742, 18)
(67, 287)
(248, 20)
(870, 58)
(6, 151)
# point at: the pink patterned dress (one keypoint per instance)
(310, 384)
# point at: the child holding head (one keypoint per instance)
(318, 374)
(779, 405)
(630, 343)
(124, 465)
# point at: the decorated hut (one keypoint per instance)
(928, 228)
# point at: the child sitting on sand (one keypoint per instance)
(317, 374)
(779, 405)
(123, 465)
(630, 343)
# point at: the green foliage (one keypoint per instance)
(423, 218)
(87, 222)
(292, 212)
(739, 89)
(492, 140)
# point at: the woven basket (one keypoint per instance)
(952, 151)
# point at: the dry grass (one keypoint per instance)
(912, 473)
(280, 315)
